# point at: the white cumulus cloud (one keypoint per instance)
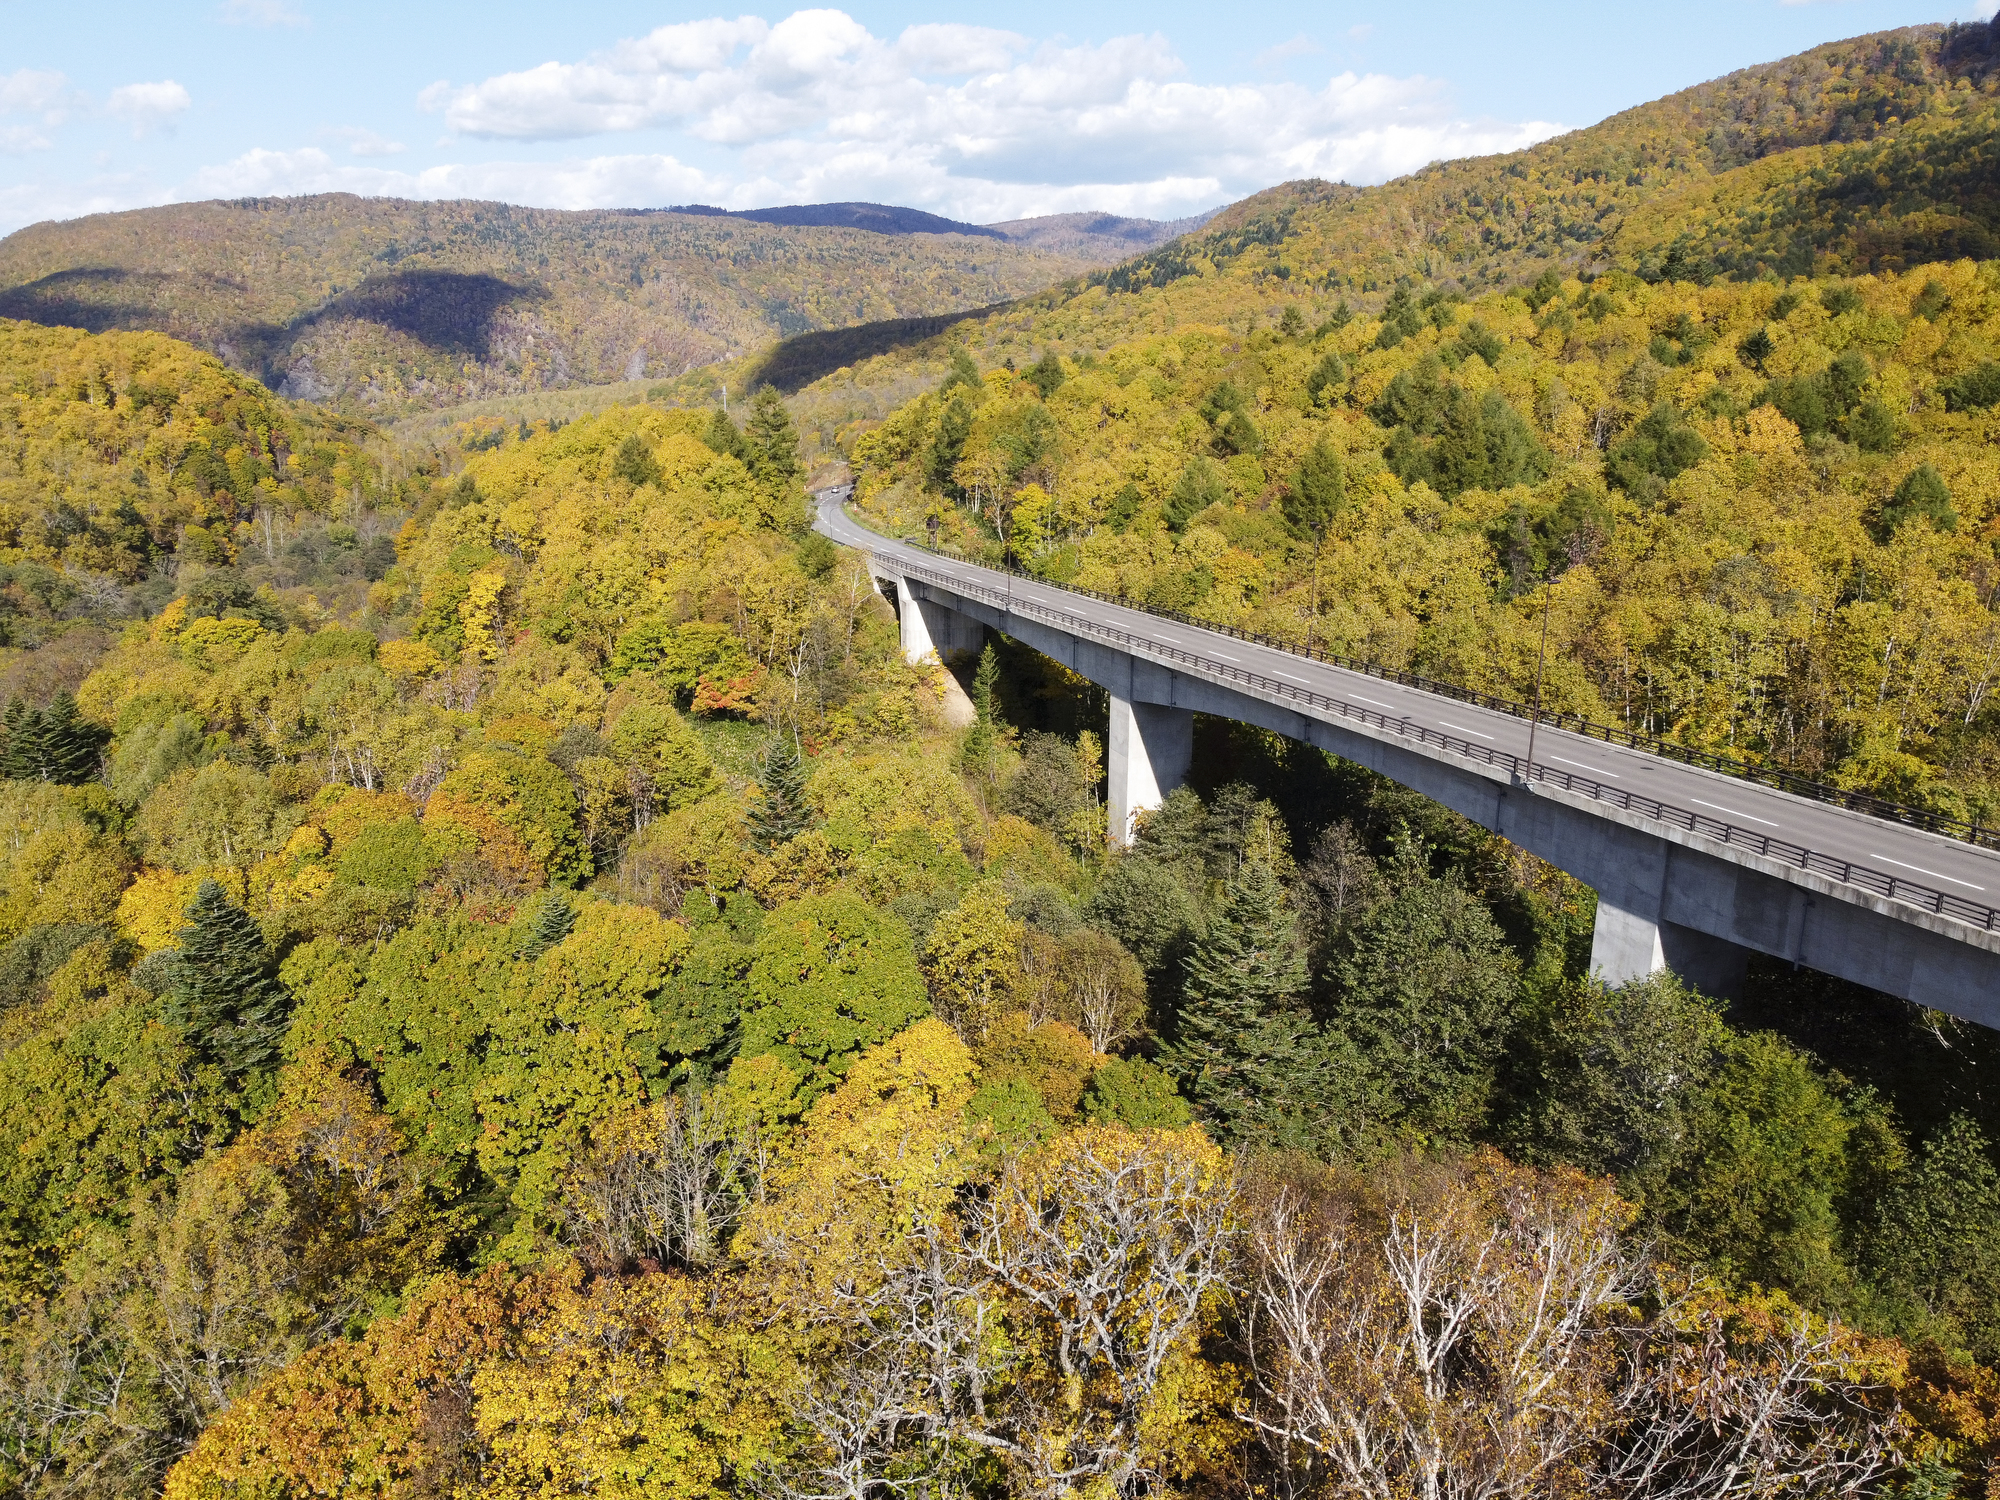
(45, 97)
(149, 106)
(972, 120)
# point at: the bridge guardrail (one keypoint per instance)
(1959, 829)
(1863, 877)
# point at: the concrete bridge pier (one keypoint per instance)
(931, 631)
(1149, 754)
(1633, 937)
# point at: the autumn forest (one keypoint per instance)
(511, 984)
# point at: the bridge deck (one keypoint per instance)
(1929, 872)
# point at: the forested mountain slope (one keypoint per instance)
(1764, 515)
(381, 306)
(510, 985)
(1488, 220)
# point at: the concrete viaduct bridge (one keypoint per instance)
(1694, 868)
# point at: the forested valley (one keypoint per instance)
(511, 983)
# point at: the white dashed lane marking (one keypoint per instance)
(1734, 813)
(1594, 770)
(1463, 730)
(1935, 875)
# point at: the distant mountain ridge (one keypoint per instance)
(877, 218)
(1105, 236)
(1875, 152)
(1098, 236)
(382, 306)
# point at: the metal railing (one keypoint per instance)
(1863, 877)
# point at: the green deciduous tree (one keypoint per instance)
(1934, 1242)
(1135, 1093)
(831, 976)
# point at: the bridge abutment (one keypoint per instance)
(1151, 747)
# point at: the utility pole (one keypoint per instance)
(1312, 619)
(1541, 659)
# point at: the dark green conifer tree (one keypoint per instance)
(954, 427)
(1756, 347)
(774, 442)
(551, 925)
(1240, 1043)
(979, 740)
(1922, 493)
(69, 743)
(635, 463)
(1046, 374)
(224, 994)
(963, 372)
(783, 813)
(1318, 490)
(724, 437)
(21, 753)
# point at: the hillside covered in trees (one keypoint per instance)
(1865, 155)
(381, 306)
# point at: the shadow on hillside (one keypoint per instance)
(449, 311)
(799, 361)
(99, 299)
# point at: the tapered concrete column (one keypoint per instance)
(930, 631)
(917, 646)
(1150, 750)
(1627, 945)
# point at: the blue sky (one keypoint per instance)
(976, 112)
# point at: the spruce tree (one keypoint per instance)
(774, 442)
(21, 755)
(634, 462)
(979, 740)
(224, 994)
(963, 372)
(551, 925)
(69, 743)
(723, 437)
(1240, 1037)
(782, 814)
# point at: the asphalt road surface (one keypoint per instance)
(1965, 873)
